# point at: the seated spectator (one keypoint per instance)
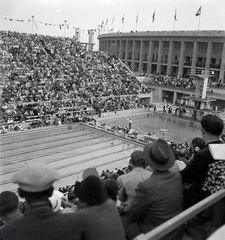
(9, 209)
(158, 198)
(195, 172)
(196, 145)
(98, 216)
(39, 222)
(127, 183)
(111, 188)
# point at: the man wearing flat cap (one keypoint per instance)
(158, 198)
(127, 183)
(39, 222)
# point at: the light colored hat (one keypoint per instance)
(159, 155)
(35, 177)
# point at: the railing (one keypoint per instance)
(183, 217)
(201, 72)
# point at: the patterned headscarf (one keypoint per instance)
(215, 178)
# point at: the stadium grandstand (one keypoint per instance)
(74, 109)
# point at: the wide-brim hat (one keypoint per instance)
(90, 190)
(159, 155)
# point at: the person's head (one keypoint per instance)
(212, 127)
(159, 155)
(90, 191)
(111, 187)
(9, 203)
(137, 159)
(197, 144)
(35, 182)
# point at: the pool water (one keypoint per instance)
(174, 129)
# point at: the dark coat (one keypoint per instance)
(41, 223)
(195, 173)
(100, 222)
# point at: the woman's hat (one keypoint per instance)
(159, 155)
(90, 190)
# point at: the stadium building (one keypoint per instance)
(172, 53)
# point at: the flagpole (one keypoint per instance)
(136, 22)
(174, 19)
(65, 28)
(199, 21)
(32, 21)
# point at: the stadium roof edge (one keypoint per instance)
(203, 33)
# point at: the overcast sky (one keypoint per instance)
(89, 14)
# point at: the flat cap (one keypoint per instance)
(35, 177)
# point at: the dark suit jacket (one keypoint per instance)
(41, 223)
(100, 222)
(195, 173)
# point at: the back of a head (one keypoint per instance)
(198, 142)
(137, 159)
(35, 181)
(212, 124)
(8, 203)
(90, 191)
(111, 188)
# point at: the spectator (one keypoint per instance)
(195, 172)
(39, 222)
(111, 188)
(159, 197)
(9, 209)
(127, 183)
(98, 218)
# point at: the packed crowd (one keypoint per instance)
(125, 203)
(43, 74)
(188, 83)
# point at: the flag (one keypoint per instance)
(175, 15)
(198, 12)
(106, 22)
(112, 21)
(102, 24)
(137, 18)
(35, 24)
(153, 17)
(123, 19)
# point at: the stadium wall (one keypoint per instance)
(169, 52)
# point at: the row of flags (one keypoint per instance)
(101, 28)
(198, 13)
(61, 26)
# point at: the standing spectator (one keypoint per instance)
(195, 172)
(39, 222)
(158, 198)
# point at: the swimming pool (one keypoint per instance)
(174, 128)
